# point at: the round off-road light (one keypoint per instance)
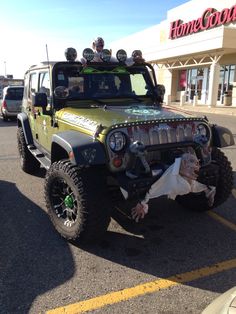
(106, 55)
(137, 53)
(88, 54)
(121, 55)
(71, 54)
(61, 92)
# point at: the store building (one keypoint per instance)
(193, 52)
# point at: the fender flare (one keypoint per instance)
(23, 121)
(221, 136)
(81, 148)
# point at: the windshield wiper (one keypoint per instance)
(96, 100)
(130, 95)
(136, 98)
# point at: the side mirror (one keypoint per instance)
(160, 92)
(40, 100)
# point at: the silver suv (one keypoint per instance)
(11, 101)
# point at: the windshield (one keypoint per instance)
(101, 82)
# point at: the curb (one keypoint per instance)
(230, 111)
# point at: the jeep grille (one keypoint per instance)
(161, 134)
(157, 134)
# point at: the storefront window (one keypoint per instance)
(192, 76)
(200, 72)
(231, 77)
(227, 73)
(182, 80)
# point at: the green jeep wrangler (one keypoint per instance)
(104, 137)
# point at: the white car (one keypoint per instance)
(11, 101)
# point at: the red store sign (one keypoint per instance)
(209, 19)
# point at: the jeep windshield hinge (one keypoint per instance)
(54, 123)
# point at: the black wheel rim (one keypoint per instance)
(64, 202)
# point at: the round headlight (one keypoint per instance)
(202, 134)
(106, 55)
(121, 55)
(117, 141)
(88, 54)
(202, 130)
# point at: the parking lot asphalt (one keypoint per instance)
(102, 301)
(153, 286)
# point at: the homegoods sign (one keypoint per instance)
(209, 19)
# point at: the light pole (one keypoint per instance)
(5, 66)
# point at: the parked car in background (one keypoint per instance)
(11, 101)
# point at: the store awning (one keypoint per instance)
(196, 49)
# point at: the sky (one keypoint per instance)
(27, 27)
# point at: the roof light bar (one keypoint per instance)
(106, 55)
(88, 54)
(137, 53)
(71, 54)
(121, 55)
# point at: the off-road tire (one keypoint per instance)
(27, 161)
(89, 218)
(224, 184)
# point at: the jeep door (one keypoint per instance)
(31, 82)
(43, 119)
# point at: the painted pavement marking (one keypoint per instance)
(222, 220)
(149, 287)
(142, 289)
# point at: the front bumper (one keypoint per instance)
(10, 114)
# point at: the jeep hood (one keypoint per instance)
(110, 116)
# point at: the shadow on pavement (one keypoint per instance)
(33, 258)
(169, 241)
(7, 123)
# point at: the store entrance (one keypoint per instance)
(196, 88)
(197, 84)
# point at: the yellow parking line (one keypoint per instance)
(222, 220)
(149, 287)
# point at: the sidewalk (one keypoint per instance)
(224, 110)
